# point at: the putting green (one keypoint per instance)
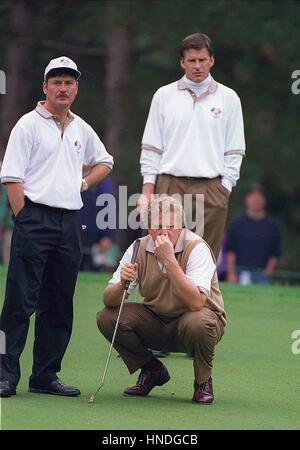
(256, 375)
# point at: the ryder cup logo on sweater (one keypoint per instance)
(216, 112)
(77, 146)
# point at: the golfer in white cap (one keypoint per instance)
(42, 169)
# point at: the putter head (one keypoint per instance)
(92, 399)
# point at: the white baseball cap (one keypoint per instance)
(62, 62)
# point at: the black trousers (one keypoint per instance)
(46, 251)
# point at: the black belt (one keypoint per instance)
(47, 207)
(191, 178)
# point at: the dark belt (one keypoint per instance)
(47, 207)
(191, 178)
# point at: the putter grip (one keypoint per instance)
(133, 258)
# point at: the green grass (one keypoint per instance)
(256, 375)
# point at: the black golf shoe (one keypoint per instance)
(54, 387)
(7, 389)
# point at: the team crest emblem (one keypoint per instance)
(216, 112)
(78, 146)
(65, 61)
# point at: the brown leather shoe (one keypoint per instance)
(203, 392)
(147, 380)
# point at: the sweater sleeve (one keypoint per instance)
(152, 141)
(234, 145)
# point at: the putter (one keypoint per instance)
(125, 295)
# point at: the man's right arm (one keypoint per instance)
(15, 163)
(16, 198)
(152, 150)
(231, 267)
(231, 250)
(112, 295)
(145, 198)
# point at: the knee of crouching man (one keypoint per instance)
(197, 325)
(102, 319)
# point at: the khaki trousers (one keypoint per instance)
(215, 203)
(194, 333)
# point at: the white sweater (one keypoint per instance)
(195, 136)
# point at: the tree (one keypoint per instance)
(18, 56)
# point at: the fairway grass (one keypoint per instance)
(256, 375)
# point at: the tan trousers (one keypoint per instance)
(194, 333)
(215, 203)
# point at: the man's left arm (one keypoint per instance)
(184, 286)
(97, 163)
(271, 265)
(96, 174)
(234, 145)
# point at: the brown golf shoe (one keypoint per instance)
(203, 392)
(147, 380)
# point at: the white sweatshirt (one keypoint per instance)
(194, 135)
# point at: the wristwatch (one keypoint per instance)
(84, 185)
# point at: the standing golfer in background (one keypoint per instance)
(182, 310)
(193, 141)
(42, 171)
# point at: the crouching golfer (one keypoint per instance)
(182, 310)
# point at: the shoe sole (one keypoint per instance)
(145, 395)
(202, 403)
(45, 391)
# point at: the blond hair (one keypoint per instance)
(161, 208)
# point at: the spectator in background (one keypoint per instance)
(100, 253)
(253, 242)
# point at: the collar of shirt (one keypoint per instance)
(178, 247)
(208, 86)
(42, 111)
(198, 88)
